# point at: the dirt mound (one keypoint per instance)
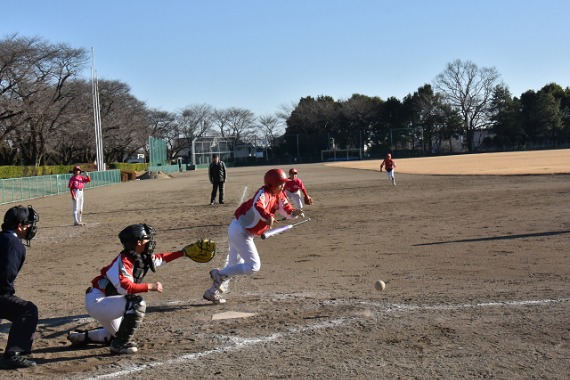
(154, 175)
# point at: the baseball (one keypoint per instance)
(380, 285)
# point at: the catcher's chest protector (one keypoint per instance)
(139, 267)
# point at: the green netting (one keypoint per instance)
(21, 189)
(157, 152)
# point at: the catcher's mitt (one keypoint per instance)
(201, 251)
(308, 200)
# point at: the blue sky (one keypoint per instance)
(261, 55)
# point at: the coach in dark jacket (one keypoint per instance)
(218, 175)
(19, 223)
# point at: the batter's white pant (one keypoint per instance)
(243, 258)
(108, 311)
(295, 199)
(390, 175)
(77, 206)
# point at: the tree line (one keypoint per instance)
(46, 114)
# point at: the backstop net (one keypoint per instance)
(204, 147)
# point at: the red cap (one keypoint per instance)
(77, 168)
(293, 171)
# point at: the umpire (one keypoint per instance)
(218, 174)
(19, 223)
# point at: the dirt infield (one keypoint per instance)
(508, 163)
(476, 271)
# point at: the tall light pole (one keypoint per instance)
(100, 160)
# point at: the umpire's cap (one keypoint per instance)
(17, 215)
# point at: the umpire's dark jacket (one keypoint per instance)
(217, 172)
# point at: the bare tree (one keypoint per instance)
(271, 126)
(164, 125)
(124, 121)
(220, 118)
(74, 138)
(35, 95)
(241, 122)
(193, 122)
(469, 89)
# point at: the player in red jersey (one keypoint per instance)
(390, 166)
(252, 218)
(294, 188)
(76, 184)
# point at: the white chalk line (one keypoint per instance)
(243, 195)
(239, 343)
(443, 307)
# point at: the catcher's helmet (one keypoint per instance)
(135, 232)
(275, 177)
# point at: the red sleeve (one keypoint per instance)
(127, 283)
(169, 256)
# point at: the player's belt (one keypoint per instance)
(89, 290)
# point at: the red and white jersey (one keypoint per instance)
(78, 182)
(389, 164)
(253, 214)
(295, 185)
(120, 272)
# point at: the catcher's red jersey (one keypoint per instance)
(253, 213)
(120, 272)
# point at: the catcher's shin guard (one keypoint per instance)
(136, 308)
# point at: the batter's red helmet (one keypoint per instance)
(275, 177)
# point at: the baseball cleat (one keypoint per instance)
(78, 338)
(127, 348)
(15, 360)
(213, 296)
(225, 286)
(217, 278)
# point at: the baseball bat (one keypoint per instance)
(280, 230)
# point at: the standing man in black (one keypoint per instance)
(19, 223)
(218, 174)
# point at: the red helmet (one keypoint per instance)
(275, 177)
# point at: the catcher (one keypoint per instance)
(293, 189)
(113, 298)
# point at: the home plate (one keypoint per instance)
(231, 314)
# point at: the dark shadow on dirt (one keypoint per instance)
(505, 237)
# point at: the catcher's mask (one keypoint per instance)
(135, 232)
(275, 177)
(22, 215)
